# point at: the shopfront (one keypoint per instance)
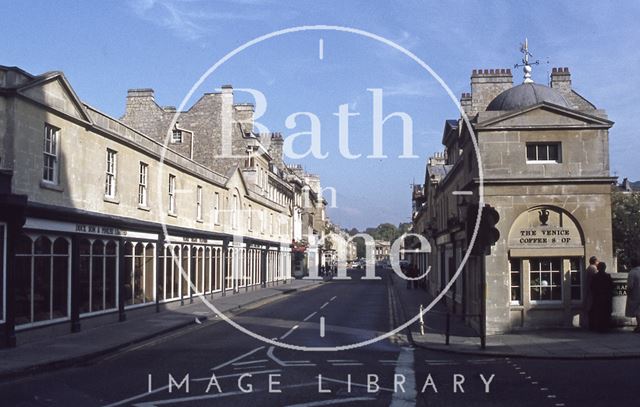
(546, 263)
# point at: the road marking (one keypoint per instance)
(324, 305)
(331, 402)
(321, 49)
(250, 362)
(534, 382)
(347, 364)
(251, 352)
(249, 367)
(309, 316)
(289, 332)
(333, 298)
(404, 368)
(226, 376)
(551, 396)
(285, 363)
(322, 327)
(544, 389)
(462, 193)
(340, 360)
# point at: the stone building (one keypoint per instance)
(100, 220)
(544, 153)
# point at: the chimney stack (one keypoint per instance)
(226, 120)
(276, 149)
(561, 79)
(486, 84)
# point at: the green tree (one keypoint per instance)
(626, 228)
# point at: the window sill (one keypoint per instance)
(172, 214)
(112, 200)
(543, 162)
(199, 221)
(51, 186)
(144, 208)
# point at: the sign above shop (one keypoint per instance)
(544, 227)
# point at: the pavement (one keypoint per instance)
(75, 348)
(564, 343)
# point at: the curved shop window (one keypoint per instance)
(42, 279)
(98, 275)
(546, 256)
(139, 273)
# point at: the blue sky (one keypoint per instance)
(105, 48)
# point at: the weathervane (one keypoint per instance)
(526, 65)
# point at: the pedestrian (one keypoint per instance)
(602, 294)
(633, 293)
(589, 272)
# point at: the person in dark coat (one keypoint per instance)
(601, 296)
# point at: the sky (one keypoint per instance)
(107, 47)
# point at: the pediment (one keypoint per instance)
(55, 92)
(543, 116)
(235, 179)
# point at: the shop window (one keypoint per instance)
(139, 273)
(544, 152)
(515, 266)
(575, 278)
(42, 279)
(171, 273)
(98, 275)
(546, 279)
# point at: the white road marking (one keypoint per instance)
(249, 367)
(289, 332)
(309, 316)
(331, 402)
(322, 327)
(462, 193)
(324, 305)
(347, 364)
(404, 368)
(551, 396)
(340, 360)
(321, 49)
(285, 363)
(250, 362)
(206, 379)
(333, 298)
(251, 352)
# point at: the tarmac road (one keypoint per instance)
(227, 367)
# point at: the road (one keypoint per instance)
(223, 366)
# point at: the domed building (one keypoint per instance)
(542, 173)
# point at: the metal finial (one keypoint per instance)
(526, 65)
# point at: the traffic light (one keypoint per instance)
(488, 235)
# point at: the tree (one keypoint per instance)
(625, 209)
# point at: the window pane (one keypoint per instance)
(110, 286)
(42, 288)
(42, 245)
(543, 154)
(85, 282)
(23, 289)
(61, 246)
(96, 283)
(60, 286)
(23, 245)
(553, 152)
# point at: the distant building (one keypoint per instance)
(545, 166)
(382, 250)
